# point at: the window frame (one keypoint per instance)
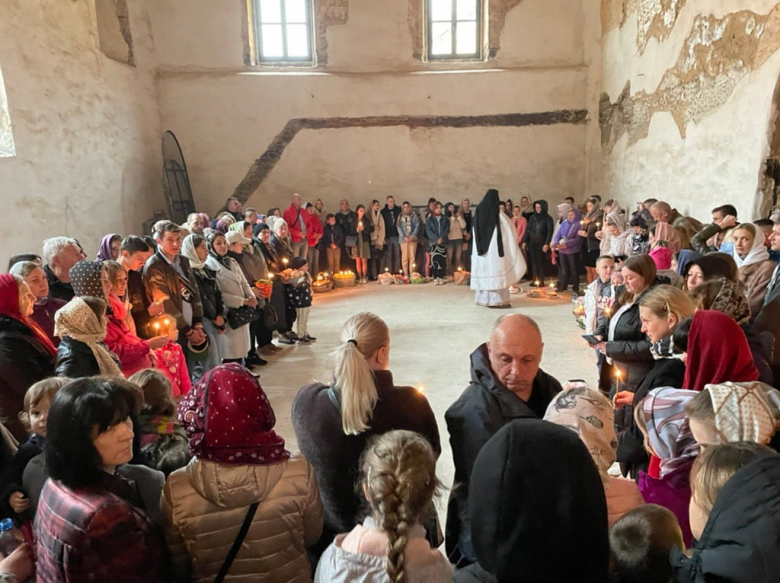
(454, 56)
(256, 26)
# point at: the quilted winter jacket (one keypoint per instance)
(205, 505)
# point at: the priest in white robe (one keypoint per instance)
(496, 260)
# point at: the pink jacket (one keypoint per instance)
(520, 225)
(132, 351)
(622, 496)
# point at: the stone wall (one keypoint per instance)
(687, 112)
(228, 115)
(86, 127)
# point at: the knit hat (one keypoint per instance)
(298, 262)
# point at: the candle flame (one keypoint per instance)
(460, 269)
(618, 374)
(420, 389)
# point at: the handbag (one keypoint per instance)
(351, 241)
(242, 316)
(223, 570)
(270, 317)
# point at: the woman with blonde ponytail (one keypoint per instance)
(399, 483)
(333, 423)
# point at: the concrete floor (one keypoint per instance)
(433, 330)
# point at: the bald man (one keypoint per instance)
(506, 384)
(663, 212)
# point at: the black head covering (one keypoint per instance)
(221, 259)
(259, 227)
(541, 512)
(85, 278)
(740, 541)
(545, 206)
(486, 222)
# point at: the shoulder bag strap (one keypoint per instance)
(334, 398)
(223, 571)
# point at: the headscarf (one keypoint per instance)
(534, 491)
(595, 214)
(221, 259)
(684, 259)
(188, 252)
(745, 411)
(667, 427)
(528, 207)
(666, 232)
(222, 225)
(563, 210)
(758, 252)
(259, 228)
(229, 420)
(486, 222)
(619, 220)
(665, 349)
(662, 257)
(77, 320)
(715, 265)
(718, 352)
(590, 415)
(285, 243)
(105, 253)
(9, 306)
(732, 301)
(85, 277)
(239, 227)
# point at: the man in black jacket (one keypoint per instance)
(768, 318)
(390, 214)
(537, 239)
(134, 254)
(506, 384)
(59, 255)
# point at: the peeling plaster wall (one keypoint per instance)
(86, 127)
(371, 70)
(686, 113)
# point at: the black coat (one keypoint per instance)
(11, 478)
(335, 456)
(631, 453)
(768, 319)
(483, 408)
(210, 296)
(332, 236)
(24, 360)
(740, 541)
(58, 289)
(346, 221)
(76, 360)
(390, 217)
(139, 298)
(540, 226)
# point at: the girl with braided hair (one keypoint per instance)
(399, 482)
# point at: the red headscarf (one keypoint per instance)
(9, 306)
(229, 420)
(718, 352)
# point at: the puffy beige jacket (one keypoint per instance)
(205, 505)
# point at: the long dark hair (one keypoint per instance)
(77, 410)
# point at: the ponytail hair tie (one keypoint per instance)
(352, 341)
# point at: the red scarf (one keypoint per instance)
(718, 352)
(9, 306)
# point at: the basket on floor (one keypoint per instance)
(322, 287)
(346, 281)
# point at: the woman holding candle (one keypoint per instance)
(455, 238)
(378, 239)
(362, 230)
(591, 225)
(623, 341)
(661, 310)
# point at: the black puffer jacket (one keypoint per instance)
(24, 361)
(483, 408)
(740, 541)
(540, 225)
(75, 359)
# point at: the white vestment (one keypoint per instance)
(491, 273)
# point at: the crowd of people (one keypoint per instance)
(138, 445)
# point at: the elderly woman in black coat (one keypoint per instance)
(26, 353)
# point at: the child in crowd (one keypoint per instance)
(599, 297)
(163, 439)
(437, 230)
(640, 543)
(332, 241)
(640, 240)
(300, 298)
(662, 420)
(399, 483)
(14, 502)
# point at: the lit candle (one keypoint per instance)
(387, 269)
(420, 389)
(618, 374)
(536, 283)
(608, 311)
(582, 223)
(414, 265)
(598, 225)
(460, 269)
(285, 261)
(360, 224)
(270, 276)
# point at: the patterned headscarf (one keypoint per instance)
(229, 420)
(590, 415)
(85, 277)
(745, 411)
(668, 428)
(732, 300)
(77, 320)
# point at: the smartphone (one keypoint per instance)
(591, 339)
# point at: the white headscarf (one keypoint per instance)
(619, 220)
(757, 254)
(188, 251)
(589, 414)
(745, 411)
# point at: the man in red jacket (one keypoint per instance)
(297, 220)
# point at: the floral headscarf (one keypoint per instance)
(229, 420)
(77, 320)
(745, 411)
(590, 415)
(732, 300)
(668, 428)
